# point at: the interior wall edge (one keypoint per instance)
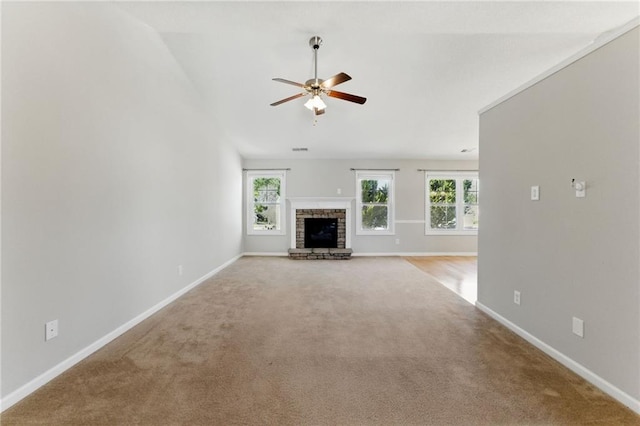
(33, 385)
(597, 44)
(579, 369)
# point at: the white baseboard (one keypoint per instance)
(572, 365)
(55, 371)
(257, 253)
(360, 254)
(416, 254)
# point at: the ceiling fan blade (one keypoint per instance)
(318, 111)
(335, 80)
(346, 97)
(282, 80)
(290, 98)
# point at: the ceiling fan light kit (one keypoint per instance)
(315, 87)
(315, 103)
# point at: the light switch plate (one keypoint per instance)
(578, 327)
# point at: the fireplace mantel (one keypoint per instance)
(321, 203)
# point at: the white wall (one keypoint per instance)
(322, 178)
(569, 256)
(112, 176)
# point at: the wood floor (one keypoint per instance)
(457, 273)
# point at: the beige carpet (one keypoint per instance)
(360, 342)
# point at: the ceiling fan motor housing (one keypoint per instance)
(314, 83)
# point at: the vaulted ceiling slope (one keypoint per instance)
(425, 67)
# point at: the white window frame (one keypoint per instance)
(458, 177)
(253, 174)
(371, 175)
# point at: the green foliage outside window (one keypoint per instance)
(442, 194)
(471, 192)
(266, 199)
(375, 198)
(443, 199)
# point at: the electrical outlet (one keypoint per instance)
(339, 191)
(535, 193)
(180, 270)
(397, 240)
(50, 330)
(578, 327)
(516, 297)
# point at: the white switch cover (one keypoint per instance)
(50, 330)
(535, 193)
(578, 327)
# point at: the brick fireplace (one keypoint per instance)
(326, 216)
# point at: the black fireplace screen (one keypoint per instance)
(320, 233)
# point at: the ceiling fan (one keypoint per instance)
(315, 87)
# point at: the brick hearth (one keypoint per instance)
(320, 253)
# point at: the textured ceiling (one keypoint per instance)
(425, 67)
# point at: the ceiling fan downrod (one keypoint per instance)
(315, 43)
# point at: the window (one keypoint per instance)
(265, 203)
(452, 203)
(374, 203)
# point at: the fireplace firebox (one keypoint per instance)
(320, 232)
